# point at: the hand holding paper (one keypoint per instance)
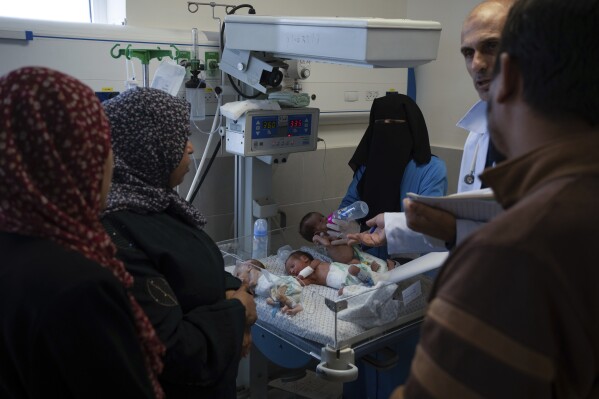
(431, 221)
(478, 205)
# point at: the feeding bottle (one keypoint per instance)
(357, 210)
(260, 244)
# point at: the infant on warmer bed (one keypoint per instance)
(284, 291)
(334, 274)
(316, 322)
(303, 269)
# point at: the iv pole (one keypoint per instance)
(214, 132)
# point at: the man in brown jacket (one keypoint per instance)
(515, 309)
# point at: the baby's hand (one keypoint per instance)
(281, 298)
(321, 239)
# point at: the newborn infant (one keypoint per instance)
(283, 291)
(335, 274)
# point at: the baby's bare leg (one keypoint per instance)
(286, 301)
(375, 266)
(292, 311)
(362, 275)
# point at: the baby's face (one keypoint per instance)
(318, 223)
(254, 275)
(296, 264)
(248, 274)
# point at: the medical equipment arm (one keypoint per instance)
(256, 46)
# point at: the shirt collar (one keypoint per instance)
(572, 155)
(475, 119)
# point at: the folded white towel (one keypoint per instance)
(235, 109)
(290, 99)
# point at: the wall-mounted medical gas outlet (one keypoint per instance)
(211, 61)
(371, 95)
(269, 132)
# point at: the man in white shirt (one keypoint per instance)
(422, 228)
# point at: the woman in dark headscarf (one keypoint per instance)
(394, 158)
(200, 312)
(69, 328)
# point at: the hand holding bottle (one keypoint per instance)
(339, 229)
(357, 210)
(375, 237)
(343, 222)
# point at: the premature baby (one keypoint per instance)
(314, 228)
(283, 291)
(335, 274)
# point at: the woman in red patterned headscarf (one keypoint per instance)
(68, 326)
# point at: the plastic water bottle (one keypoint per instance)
(357, 210)
(260, 245)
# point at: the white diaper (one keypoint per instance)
(263, 287)
(337, 275)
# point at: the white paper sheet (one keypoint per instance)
(479, 205)
(168, 77)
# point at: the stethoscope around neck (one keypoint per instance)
(469, 178)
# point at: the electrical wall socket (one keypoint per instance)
(209, 96)
(371, 95)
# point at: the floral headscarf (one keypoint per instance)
(150, 129)
(54, 142)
